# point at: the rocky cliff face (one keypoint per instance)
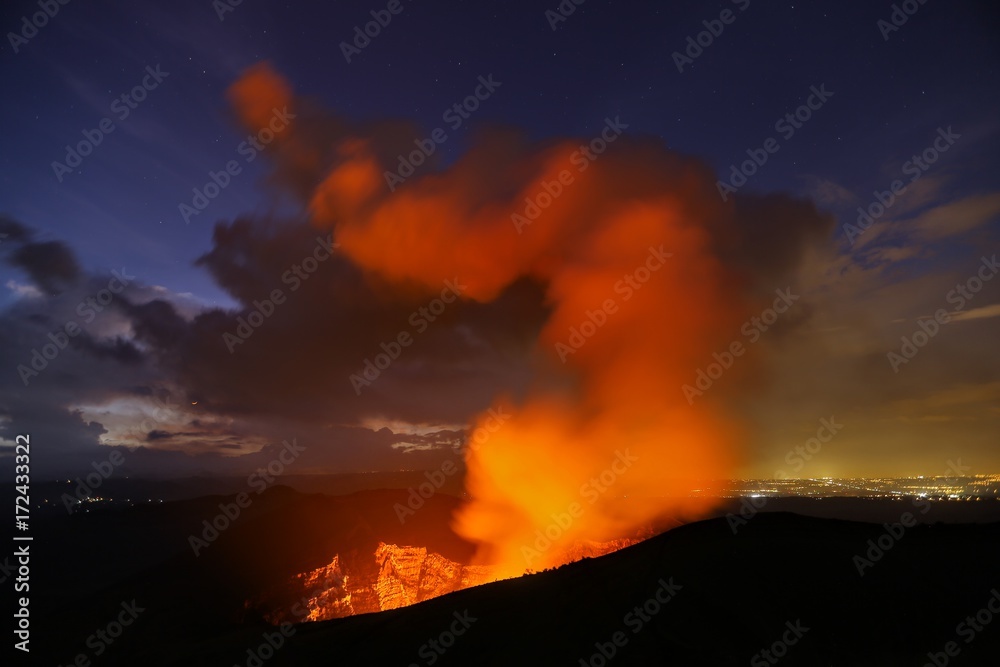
(409, 574)
(394, 576)
(326, 591)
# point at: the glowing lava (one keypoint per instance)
(396, 576)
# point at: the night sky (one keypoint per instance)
(880, 96)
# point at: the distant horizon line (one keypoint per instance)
(236, 475)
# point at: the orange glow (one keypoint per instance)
(256, 95)
(600, 246)
(390, 578)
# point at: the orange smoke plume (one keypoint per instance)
(257, 94)
(605, 443)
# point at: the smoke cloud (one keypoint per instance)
(646, 273)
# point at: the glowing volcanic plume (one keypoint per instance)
(605, 442)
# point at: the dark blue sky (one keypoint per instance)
(120, 206)
(892, 92)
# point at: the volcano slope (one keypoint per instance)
(780, 588)
(785, 584)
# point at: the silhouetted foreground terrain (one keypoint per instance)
(783, 583)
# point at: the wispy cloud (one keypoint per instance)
(978, 313)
